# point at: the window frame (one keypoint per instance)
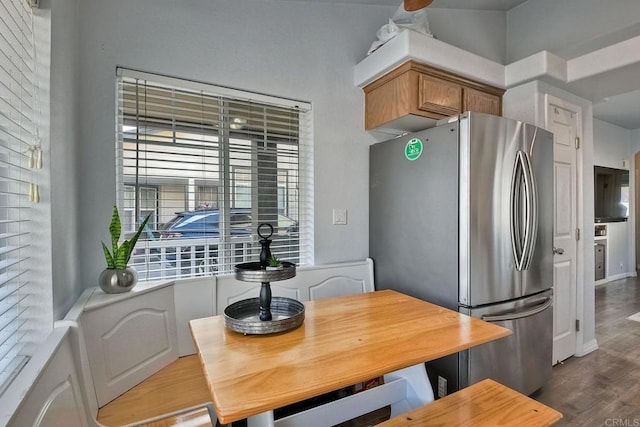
(224, 141)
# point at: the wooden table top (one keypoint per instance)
(342, 341)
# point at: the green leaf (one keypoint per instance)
(110, 261)
(134, 239)
(115, 228)
(121, 257)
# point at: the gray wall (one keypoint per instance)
(479, 31)
(301, 50)
(65, 176)
(634, 149)
(612, 145)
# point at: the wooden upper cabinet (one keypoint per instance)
(438, 96)
(413, 96)
(475, 100)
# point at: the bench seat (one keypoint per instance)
(173, 389)
(195, 418)
(484, 404)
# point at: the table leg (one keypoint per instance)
(419, 391)
(264, 419)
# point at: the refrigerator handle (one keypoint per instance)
(532, 211)
(524, 208)
(519, 314)
(517, 243)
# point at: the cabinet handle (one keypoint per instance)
(558, 251)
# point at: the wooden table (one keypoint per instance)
(343, 341)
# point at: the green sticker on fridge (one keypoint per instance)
(413, 149)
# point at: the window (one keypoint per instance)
(211, 164)
(20, 155)
(148, 199)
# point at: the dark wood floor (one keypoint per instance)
(603, 387)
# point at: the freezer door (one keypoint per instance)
(506, 209)
(522, 360)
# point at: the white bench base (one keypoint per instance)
(404, 390)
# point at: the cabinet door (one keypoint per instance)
(439, 96)
(481, 102)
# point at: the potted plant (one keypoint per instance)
(118, 277)
(274, 263)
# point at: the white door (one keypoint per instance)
(564, 121)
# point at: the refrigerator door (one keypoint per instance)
(506, 209)
(413, 214)
(522, 360)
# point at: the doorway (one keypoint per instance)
(564, 120)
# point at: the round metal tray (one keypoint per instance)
(252, 272)
(242, 316)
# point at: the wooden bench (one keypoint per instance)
(194, 418)
(177, 389)
(484, 404)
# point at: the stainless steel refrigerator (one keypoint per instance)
(461, 215)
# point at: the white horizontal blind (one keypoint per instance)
(17, 143)
(209, 165)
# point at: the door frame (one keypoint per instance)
(636, 208)
(584, 231)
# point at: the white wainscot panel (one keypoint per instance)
(337, 286)
(309, 283)
(335, 280)
(194, 299)
(130, 340)
(54, 397)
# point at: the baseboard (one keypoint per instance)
(587, 348)
(616, 277)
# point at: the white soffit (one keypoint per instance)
(410, 45)
(538, 66)
(610, 58)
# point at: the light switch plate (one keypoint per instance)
(339, 217)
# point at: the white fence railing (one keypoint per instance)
(178, 258)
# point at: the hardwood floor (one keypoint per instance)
(603, 387)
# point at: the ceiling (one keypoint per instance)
(445, 4)
(621, 109)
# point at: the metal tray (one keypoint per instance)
(252, 272)
(242, 316)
